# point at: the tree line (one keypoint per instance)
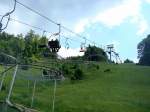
(144, 51)
(24, 48)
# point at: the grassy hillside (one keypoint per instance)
(126, 88)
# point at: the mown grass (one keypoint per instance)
(125, 88)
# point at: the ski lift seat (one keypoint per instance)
(82, 50)
(54, 45)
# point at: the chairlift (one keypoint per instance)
(54, 45)
(83, 48)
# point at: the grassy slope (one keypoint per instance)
(125, 89)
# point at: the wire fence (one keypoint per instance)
(31, 88)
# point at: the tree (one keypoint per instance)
(144, 51)
(128, 61)
(94, 53)
(24, 48)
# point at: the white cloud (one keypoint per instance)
(141, 23)
(147, 1)
(116, 15)
(14, 27)
(80, 26)
(143, 27)
(63, 52)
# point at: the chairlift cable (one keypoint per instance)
(44, 31)
(8, 19)
(52, 21)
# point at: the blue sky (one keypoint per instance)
(121, 22)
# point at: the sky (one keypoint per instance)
(123, 23)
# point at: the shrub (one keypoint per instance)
(128, 61)
(73, 72)
(75, 66)
(107, 70)
(78, 74)
(66, 70)
(3, 88)
(97, 67)
(25, 62)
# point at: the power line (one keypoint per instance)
(35, 27)
(23, 23)
(70, 39)
(40, 29)
(52, 21)
(45, 31)
(37, 13)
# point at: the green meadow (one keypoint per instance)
(124, 88)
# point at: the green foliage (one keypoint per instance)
(144, 51)
(73, 71)
(126, 89)
(123, 90)
(78, 74)
(94, 53)
(9, 108)
(93, 66)
(25, 61)
(24, 48)
(128, 61)
(75, 58)
(66, 70)
(97, 67)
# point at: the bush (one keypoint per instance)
(93, 66)
(73, 72)
(75, 66)
(66, 70)
(25, 63)
(97, 67)
(78, 75)
(128, 61)
(45, 72)
(3, 88)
